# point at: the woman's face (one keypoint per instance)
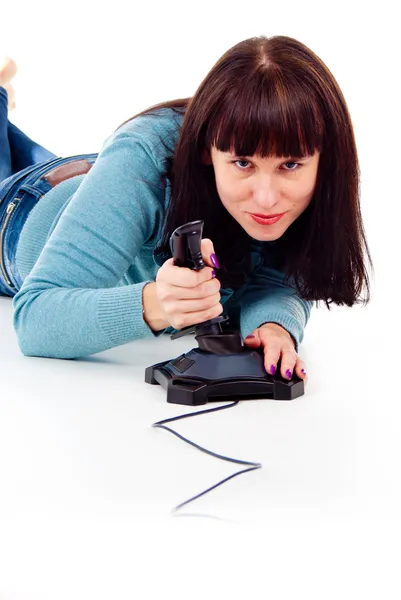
(265, 186)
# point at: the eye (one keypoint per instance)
(293, 163)
(242, 160)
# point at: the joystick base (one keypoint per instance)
(198, 377)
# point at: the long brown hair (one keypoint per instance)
(274, 96)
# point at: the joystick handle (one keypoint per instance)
(185, 246)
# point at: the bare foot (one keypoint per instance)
(11, 95)
(8, 69)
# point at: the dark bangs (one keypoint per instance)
(267, 116)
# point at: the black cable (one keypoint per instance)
(215, 486)
(252, 465)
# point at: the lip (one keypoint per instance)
(267, 216)
(266, 219)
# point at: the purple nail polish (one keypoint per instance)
(288, 373)
(272, 369)
(213, 274)
(214, 260)
(303, 371)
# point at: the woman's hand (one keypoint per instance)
(187, 297)
(277, 343)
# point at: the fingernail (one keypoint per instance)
(213, 274)
(214, 260)
(303, 371)
(248, 337)
(272, 369)
(288, 373)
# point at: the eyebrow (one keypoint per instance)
(292, 156)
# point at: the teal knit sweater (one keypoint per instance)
(87, 250)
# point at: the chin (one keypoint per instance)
(267, 237)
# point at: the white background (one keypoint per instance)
(86, 485)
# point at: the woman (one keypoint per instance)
(85, 239)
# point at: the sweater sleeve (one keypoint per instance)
(70, 305)
(266, 299)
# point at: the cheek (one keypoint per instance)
(230, 191)
(301, 193)
(309, 185)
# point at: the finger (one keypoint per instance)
(252, 340)
(193, 318)
(199, 292)
(208, 254)
(183, 276)
(300, 370)
(194, 306)
(272, 352)
(288, 361)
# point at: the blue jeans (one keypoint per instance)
(23, 166)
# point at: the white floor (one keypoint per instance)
(87, 485)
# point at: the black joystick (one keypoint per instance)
(221, 368)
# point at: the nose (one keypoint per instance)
(266, 193)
